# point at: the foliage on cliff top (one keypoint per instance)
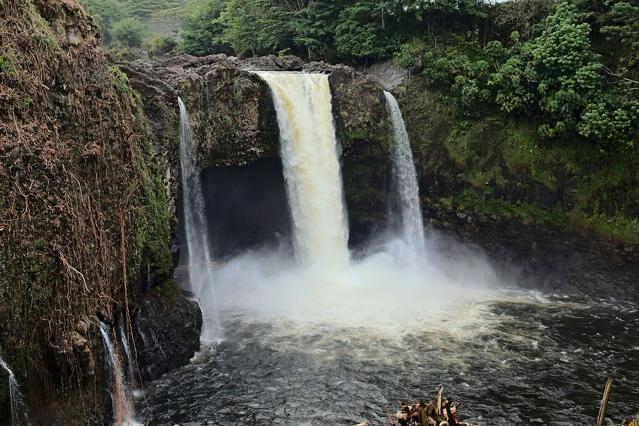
(142, 16)
(83, 205)
(555, 78)
(500, 167)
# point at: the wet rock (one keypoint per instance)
(234, 121)
(387, 74)
(544, 257)
(166, 331)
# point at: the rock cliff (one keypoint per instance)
(85, 213)
(234, 120)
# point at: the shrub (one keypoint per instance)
(160, 45)
(129, 32)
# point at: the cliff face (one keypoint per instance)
(89, 176)
(567, 216)
(85, 207)
(235, 124)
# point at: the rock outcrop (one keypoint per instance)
(234, 120)
(566, 218)
(85, 212)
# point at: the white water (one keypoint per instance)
(18, 408)
(311, 167)
(123, 411)
(200, 268)
(405, 182)
(390, 288)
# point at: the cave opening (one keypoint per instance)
(246, 207)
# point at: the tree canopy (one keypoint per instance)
(572, 67)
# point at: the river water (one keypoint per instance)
(521, 359)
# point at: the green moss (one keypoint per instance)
(615, 228)
(153, 221)
(486, 204)
(520, 146)
(41, 34)
(168, 291)
(7, 64)
(120, 81)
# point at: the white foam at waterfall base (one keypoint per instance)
(18, 407)
(397, 285)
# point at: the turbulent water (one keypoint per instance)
(515, 360)
(18, 407)
(200, 269)
(405, 181)
(316, 337)
(311, 167)
(123, 410)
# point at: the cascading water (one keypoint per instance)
(200, 268)
(405, 182)
(311, 167)
(123, 411)
(308, 345)
(18, 408)
(127, 352)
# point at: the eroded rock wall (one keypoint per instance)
(235, 124)
(85, 211)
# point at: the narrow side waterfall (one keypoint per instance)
(18, 408)
(405, 182)
(123, 412)
(311, 167)
(200, 267)
(127, 352)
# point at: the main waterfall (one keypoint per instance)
(200, 268)
(311, 167)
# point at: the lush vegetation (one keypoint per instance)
(569, 71)
(132, 23)
(571, 67)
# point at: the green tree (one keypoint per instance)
(568, 71)
(313, 27)
(622, 22)
(256, 27)
(361, 32)
(203, 30)
(129, 32)
(106, 12)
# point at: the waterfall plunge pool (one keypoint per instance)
(315, 337)
(516, 359)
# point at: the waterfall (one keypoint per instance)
(127, 351)
(123, 412)
(200, 268)
(405, 183)
(311, 167)
(18, 408)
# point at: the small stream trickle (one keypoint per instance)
(121, 401)
(19, 412)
